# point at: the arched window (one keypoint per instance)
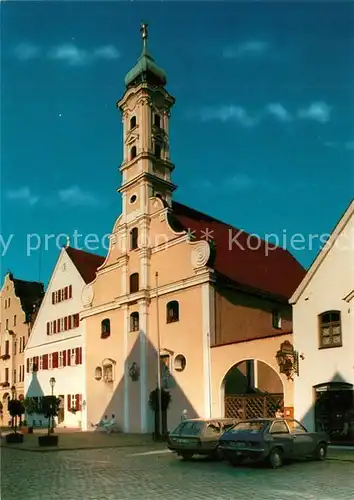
(157, 150)
(105, 328)
(330, 329)
(134, 322)
(180, 363)
(172, 311)
(133, 153)
(134, 234)
(276, 319)
(157, 120)
(134, 283)
(132, 122)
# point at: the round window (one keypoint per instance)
(133, 198)
(180, 363)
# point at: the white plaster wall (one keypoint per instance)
(69, 379)
(333, 281)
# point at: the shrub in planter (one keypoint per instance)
(49, 407)
(154, 403)
(14, 437)
(31, 408)
(16, 409)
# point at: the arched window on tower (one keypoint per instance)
(105, 328)
(157, 120)
(134, 234)
(134, 283)
(133, 153)
(132, 122)
(157, 150)
(134, 321)
(172, 311)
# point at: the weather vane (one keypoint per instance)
(144, 34)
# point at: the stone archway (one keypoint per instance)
(252, 389)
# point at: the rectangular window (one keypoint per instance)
(15, 320)
(15, 346)
(276, 319)
(72, 356)
(40, 367)
(20, 350)
(50, 362)
(31, 365)
(61, 359)
(7, 324)
(14, 377)
(24, 342)
(330, 329)
(73, 401)
(7, 347)
(7, 375)
(62, 324)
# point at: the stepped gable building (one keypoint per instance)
(176, 291)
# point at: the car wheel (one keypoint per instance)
(235, 461)
(321, 452)
(276, 458)
(187, 455)
(217, 454)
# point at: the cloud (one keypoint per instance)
(279, 112)
(75, 196)
(74, 56)
(228, 113)
(23, 194)
(250, 48)
(318, 111)
(240, 182)
(26, 51)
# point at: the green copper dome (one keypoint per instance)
(145, 69)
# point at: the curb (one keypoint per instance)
(79, 448)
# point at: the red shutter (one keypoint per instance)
(48, 328)
(70, 291)
(55, 360)
(65, 323)
(80, 355)
(58, 325)
(69, 402)
(69, 323)
(77, 356)
(59, 295)
(27, 363)
(53, 298)
(66, 293)
(76, 320)
(45, 362)
(69, 358)
(64, 358)
(54, 326)
(80, 402)
(77, 401)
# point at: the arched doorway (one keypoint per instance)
(252, 389)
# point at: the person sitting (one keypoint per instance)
(102, 423)
(110, 424)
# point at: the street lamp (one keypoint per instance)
(52, 382)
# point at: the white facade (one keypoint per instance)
(57, 346)
(328, 286)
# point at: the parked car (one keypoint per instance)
(272, 440)
(199, 436)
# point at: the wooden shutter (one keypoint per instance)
(77, 401)
(54, 326)
(80, 355)
(48, 328)
(64, 358)
(53, 298)
(55, 359)
(58, 325)
(69, 357)
(77, 356)
(70, 291)
(80, 402)
(69, 323)
(69, 402)
(45, 362)
(28, 365)
(66, 293)
(65, 323)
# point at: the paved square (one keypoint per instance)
(139, 473)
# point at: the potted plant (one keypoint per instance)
(49, 408)
(154, 403)
(31, 408)
(16, 409)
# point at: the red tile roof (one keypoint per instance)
(275, 271)
(86, 263)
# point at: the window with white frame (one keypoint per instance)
(31, 365)
(73, 402)
(40, 367)
(50, 361)
(61, 359)
(61, 324)
(72, 357)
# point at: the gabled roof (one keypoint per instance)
(341, 224)
(86, 263)
(275, 272)
(30, 294)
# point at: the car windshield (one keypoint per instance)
(253, 427)
(191, 427)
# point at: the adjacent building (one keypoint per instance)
(323, 315)
(56, 349)
(181, 290)
(19, 304)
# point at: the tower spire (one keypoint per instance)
(144, 36)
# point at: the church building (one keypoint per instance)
(176, 290)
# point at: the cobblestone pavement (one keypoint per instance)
(132, 473)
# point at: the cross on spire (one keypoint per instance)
(144, 35)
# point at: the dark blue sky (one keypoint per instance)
(262, 131)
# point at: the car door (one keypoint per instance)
(301, 439)
(282, 437)
(210, 436)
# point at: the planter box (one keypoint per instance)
(51, 440)
(14, 437)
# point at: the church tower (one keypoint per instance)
(146, 168)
